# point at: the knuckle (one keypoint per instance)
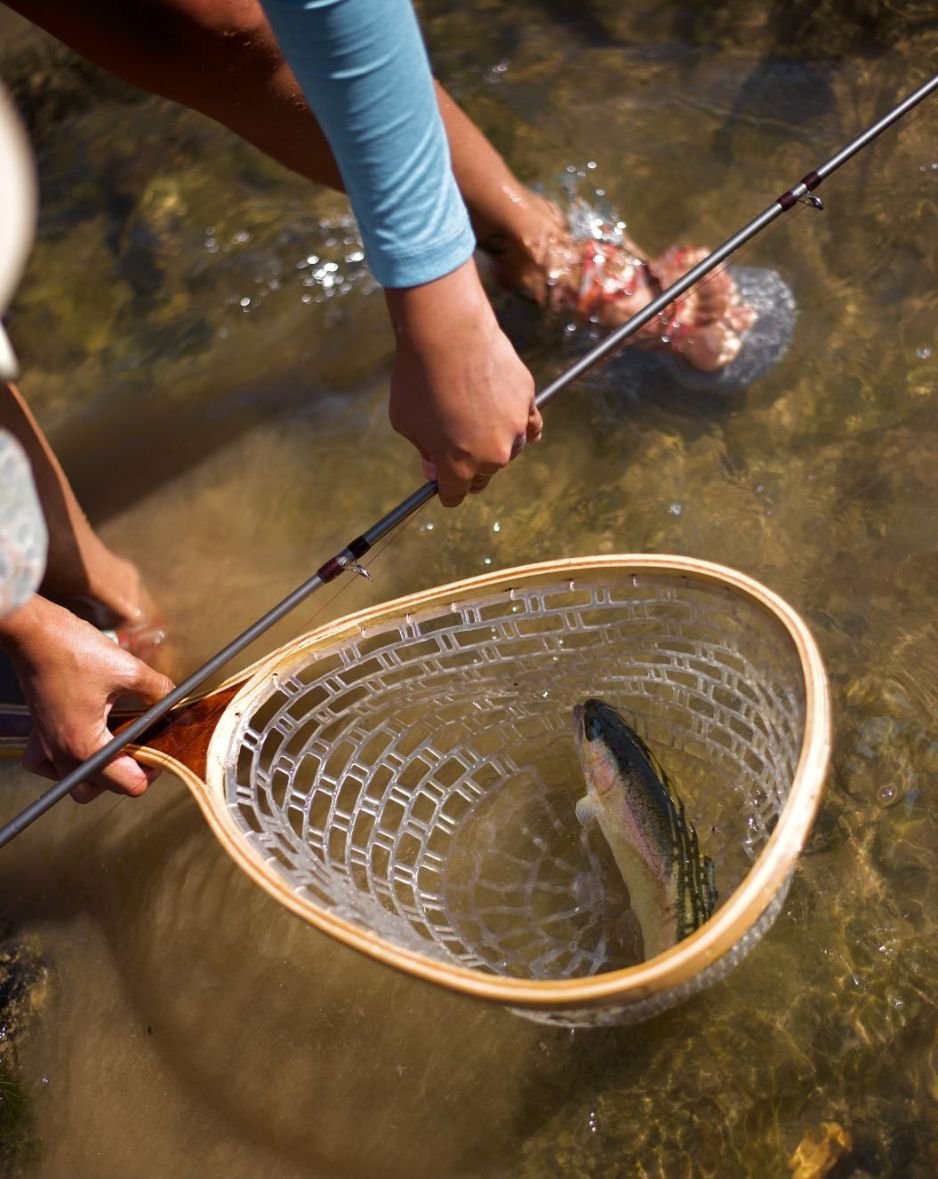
(504, 456)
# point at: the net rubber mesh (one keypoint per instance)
(414, 775)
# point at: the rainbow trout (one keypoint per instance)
(670, 882)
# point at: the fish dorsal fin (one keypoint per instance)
(652, 761)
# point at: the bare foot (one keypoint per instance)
(605, 282)
(706, 326)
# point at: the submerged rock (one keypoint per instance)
(814, 1158)
(23, 984)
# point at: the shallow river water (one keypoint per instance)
(203, 343)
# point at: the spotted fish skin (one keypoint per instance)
(670, 882)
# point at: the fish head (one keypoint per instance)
(622, 776)
(593, 722)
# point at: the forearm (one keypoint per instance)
(459, 391)
(218, 57)
(58, 501)
(222, 59)
(72, 544)
(23, 631)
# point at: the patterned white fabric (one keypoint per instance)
(23, 538)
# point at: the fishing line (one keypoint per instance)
(349, 558)
(361, 568)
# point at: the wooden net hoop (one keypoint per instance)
(403, 778)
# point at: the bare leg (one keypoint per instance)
(220, 57)
(81, 571)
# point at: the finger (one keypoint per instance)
(535, 426)
(452, 499)
(451, 487)
(148, 684)
(37, 763)
(86, 792)
(123, 775)
(429, 470)
(479, 483)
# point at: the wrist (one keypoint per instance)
(428, 311)
(18, 630)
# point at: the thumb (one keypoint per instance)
(123, 775)
(148, 684)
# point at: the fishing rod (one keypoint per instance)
(349, 557)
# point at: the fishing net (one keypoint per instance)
(405, 779)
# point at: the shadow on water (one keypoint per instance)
(324, 1014)
(148, 448)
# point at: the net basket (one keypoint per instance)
(405, 778)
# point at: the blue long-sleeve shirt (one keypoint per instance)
(363, 68)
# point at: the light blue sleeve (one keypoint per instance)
(363, 69)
